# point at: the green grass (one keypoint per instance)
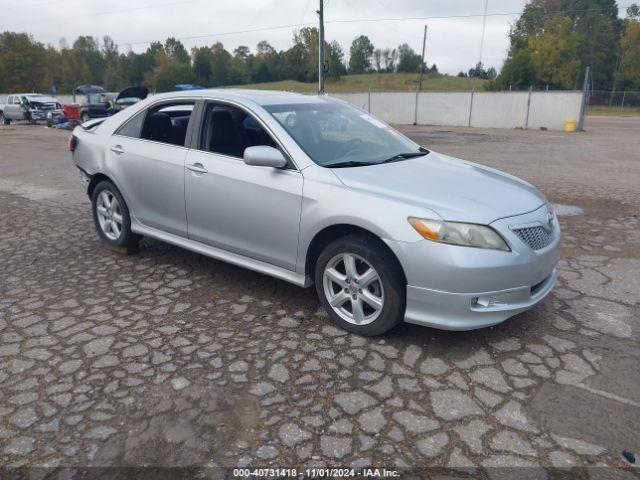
(376, 82)
(613, 111)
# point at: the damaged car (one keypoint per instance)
(30, 107)
(98, 103)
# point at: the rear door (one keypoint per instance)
(249, 210)
(147, 154)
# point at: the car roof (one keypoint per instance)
(261, 97)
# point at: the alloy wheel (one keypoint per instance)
(353, 288)
(109, 214)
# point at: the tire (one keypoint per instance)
(85, 117)
(4, 120)
(112, 220)
(342, 276)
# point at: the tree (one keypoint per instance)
(360, 55)
(390, 57)
(112, 76)
(633, 12)
(335, 67)
(629, 72)
(88, 58)
(175, 50)
(202, 65)
(267, 63)
(220, 65)
(596, 23)
(22, 63)
(519, 72)
(555, 53)
(378, 57)
(408, 59)
(172, 65)
(480, 72)
(135, 67)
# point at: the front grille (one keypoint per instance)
(536, 237)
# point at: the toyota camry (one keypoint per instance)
(314, 191)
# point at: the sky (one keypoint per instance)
(454, 43)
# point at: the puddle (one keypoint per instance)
(567, 210)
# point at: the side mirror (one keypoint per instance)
(263, 156)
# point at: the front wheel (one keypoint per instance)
(360, 284)
(111, 216)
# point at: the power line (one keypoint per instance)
(357, 20)
(236, 32)
(306, 24)
(471, 15)
(484, 27)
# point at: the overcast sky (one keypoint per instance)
(452, 43)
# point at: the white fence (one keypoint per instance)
(465, 109)
(472, 109)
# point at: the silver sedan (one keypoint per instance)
(312, 190)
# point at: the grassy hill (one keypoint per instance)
(377, 82)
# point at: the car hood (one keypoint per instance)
(455, 189)
(133, 92)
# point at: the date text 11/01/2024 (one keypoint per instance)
(315, 472)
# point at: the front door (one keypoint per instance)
(249, 210)
(13, 109)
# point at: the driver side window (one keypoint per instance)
(228, 130)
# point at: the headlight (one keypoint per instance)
(454, 233)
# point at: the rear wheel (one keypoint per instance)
(4, 120)
(360, 284)
(85, 117)
(111, 216)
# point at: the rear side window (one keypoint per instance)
(133, 127)
(229, 130)
(166, 123)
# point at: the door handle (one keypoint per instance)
(197, 167)
(117, 149)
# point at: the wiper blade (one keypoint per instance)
(403, 156)
(348, 164)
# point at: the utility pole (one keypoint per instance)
(321, 50)
(424, 43)
(583, 103)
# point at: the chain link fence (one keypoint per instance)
(624, 101)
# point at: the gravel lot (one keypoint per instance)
(168, 358)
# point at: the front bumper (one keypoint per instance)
(463, 288)
(469, 311)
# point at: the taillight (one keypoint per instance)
(73, 143)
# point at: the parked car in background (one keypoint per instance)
(98, 103)
(93, 101)
(130, 96)
(31, 107)
(386, 229)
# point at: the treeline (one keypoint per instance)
(550, 46)
(554, 41)
(31, 66)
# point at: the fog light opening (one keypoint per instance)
(484, 301)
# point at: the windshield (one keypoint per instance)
(334, 135)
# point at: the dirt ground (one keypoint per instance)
(168, 358)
